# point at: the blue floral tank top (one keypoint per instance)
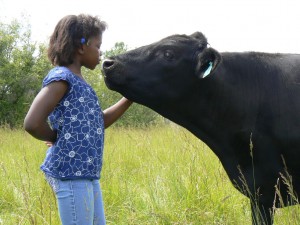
(78, 120)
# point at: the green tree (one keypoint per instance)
(119, 48)
(21, 72)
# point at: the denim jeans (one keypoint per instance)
(79, 201)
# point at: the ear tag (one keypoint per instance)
(208, 70)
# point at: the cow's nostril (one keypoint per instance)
(107, 63)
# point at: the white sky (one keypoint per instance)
(229, 25)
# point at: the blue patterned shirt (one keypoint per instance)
(78, 120)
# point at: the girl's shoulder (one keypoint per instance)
(57, 74)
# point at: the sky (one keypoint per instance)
(229, 25)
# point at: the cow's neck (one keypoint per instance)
(216, 112)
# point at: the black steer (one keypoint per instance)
(244, 106)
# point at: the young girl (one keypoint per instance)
(66, 113)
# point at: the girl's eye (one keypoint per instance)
(169, 55)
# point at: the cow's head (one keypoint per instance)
(162, 72)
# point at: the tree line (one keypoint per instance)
(23, 66)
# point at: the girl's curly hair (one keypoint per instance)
(67, 36)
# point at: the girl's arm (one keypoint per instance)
(35, 122)
(114, 112)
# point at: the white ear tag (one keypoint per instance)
(208, 70)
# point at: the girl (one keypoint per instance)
(66, 113)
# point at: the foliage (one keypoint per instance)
(20, 72)
(119, 48)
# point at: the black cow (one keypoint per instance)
(244, 106)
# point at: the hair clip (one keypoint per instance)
(82, 40)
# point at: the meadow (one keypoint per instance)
(155, 175)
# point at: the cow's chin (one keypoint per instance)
(114, 81)
(133, 90)
(120, 88)
(109, 84)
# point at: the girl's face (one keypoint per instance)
(92, 53)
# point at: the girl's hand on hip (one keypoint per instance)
(49, 143)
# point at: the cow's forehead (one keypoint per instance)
(184, 39)
(177, 38)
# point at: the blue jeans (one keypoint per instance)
(79, 201)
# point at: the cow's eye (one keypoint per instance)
(169, 55)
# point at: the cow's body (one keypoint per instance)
(246, 109)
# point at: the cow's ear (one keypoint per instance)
(199, 36)
(207, 62)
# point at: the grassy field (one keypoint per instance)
(159, 175)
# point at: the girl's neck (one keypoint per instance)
(76, 70)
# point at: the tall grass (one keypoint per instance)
(25, 198)
(158, 175)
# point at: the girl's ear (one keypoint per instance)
(81, 46)
(81, 49)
